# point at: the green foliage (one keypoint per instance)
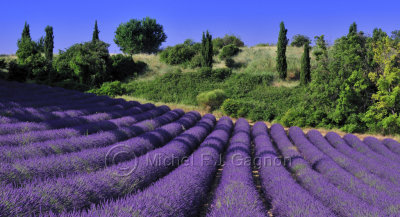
(211, 99)
(96, 32)
(26, 32)
(49, 43)
(123, 67)
(383, 114)
(230, 63)
(219, 43)
(228, 51)
(112, 89)
(305, 73)
(378, 35)
(281, 64)
(178, 54)
(140, 36)
(216, 74)
(207, 50)
(395, 36)
(26, 47)
(241, 84)
(87, 63)
(300, 40)
(17, 72)
(196, 61)
(320, 51)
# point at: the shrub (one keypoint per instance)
(123, 67)
(221, 73)
(109, 89)
(17, 72)
(228, 51)
(229, 62)
(178, 54)
(196, 61)
(211, 99)
(239, 85)
(231, 107)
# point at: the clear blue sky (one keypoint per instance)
(254, 21)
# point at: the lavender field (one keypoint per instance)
(67, 153)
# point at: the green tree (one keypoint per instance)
(96, 32)
(207, 50)
(26, 47)
(395, 36)
(353, 28)
(89, 63)
(320, 51)
(281, 64)
(351, 64)
(305, 73)
(49, 43)
(26, 32)
(378, 35)
(300, 40)
(383, 114)
(138, 36)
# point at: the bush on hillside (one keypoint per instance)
(109, 89)
(230, 63)
(17, 72)
(123, 67)
(216, 74)
(228, 51)
(178, 54)
(211, 100)
(218, 43)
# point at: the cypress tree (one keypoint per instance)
(353, 28)
(49, 43)
(206, 50)
(95, 32)
(281, 64)
(305, 73)
(26, 32)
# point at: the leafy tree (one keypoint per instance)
(96, 32)
(305, 73)
(300, 40)
(49, 43)
(396, 36)
(138, 36)
(351, 65)
(219, 43)
(281, 64)
(378, 35)
(26, 47)
(320, 51)
(383, 114)
(207, 50)
(40, 45)
(87, 63)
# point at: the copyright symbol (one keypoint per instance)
(123, 157)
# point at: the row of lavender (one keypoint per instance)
(47, 171)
